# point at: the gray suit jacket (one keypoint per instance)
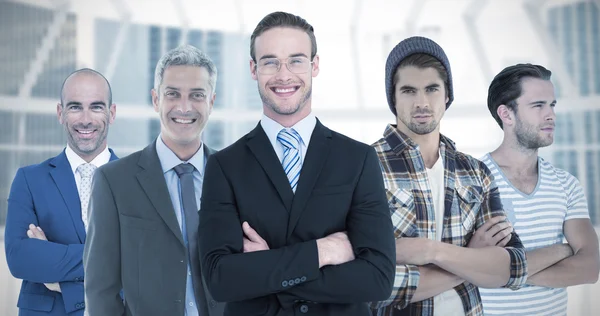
(134, 243)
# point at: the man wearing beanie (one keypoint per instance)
(438, 198)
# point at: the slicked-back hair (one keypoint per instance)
(506, 87)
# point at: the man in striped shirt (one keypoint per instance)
(546, 205)
(438, 197)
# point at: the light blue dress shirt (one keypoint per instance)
(304, 128)
(168, 160)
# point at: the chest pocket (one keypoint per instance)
(469, 204)
(402, 211)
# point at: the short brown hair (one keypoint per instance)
(283, 19)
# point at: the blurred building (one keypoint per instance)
(574, 27)
(44, 49)
(44, 40)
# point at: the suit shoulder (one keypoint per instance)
(350, 143)
(231, 150)
(34, 169)
(122, 164)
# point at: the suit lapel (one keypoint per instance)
(261, 147)
(63, 177)
(318, 151)
(153, 183)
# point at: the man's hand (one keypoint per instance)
(495, 232)
(415, 250)
(252, 240)
(36, 232)
(334, 249)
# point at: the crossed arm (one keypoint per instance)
(426, 268)
(31, 257)
(326, 273)
(555, 267)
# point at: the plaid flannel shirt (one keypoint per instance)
(471, 198)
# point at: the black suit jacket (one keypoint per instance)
(340, 189)
(134, 242)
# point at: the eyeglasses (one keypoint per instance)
(270, 66)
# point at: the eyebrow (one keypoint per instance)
(73, 103)
(541, 102)
(407, 87)
(292, 55)
(192, 89)
(79, 103)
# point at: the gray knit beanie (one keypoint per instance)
(410, 46)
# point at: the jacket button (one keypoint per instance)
(284, 283)
(303, 309)
(213, 303)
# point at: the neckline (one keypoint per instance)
(523, 194)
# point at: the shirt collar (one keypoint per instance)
(304, 127)
(399, 142)
(75, 160)
(168, 159)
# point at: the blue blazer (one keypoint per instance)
(46, 195)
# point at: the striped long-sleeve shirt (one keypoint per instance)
(471, 198)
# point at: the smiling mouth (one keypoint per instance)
(183, 121)
(285, 91)
(84, 132)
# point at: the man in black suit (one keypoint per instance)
(144, 208)
(294, 216)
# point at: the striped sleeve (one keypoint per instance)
(576, 202)
(405, 286)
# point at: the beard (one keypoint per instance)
(85, 146)
(283, 110)
(420, 128)
(528, 136)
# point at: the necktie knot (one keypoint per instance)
(184, 168)
(289, 138)
(86, 170)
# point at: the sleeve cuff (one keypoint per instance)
(406, 282)
(518, 268)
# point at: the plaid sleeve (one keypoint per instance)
(405, 285)
(492, 207)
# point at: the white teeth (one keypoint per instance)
(278, 90)
(85, 132)
(181, 121)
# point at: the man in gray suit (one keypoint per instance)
(142, 236)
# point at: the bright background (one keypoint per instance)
(44, 40)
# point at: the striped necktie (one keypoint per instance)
(292, 164)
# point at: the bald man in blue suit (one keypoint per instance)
(47, 206)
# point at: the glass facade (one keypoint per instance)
(574, 27)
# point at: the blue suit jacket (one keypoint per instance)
(46, 195)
